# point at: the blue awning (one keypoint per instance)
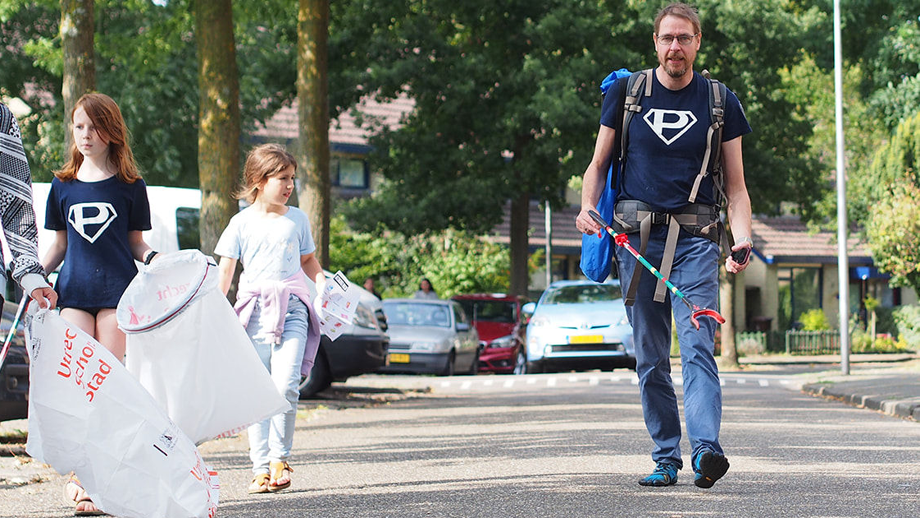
(863, 273)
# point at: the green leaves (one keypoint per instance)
(454, 261)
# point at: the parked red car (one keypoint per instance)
(497, 317)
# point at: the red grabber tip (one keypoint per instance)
(711, 313)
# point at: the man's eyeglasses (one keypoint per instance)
(667, 39)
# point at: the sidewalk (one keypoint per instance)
(888, 383)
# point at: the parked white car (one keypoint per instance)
(579, 325)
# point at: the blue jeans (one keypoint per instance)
(272, 439)
(695, 272)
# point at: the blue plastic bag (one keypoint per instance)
(597, 251)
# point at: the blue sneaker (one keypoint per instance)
(665, 474)
(708, 467)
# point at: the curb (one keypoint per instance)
(905, 408)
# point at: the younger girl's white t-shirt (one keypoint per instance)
(268, 246)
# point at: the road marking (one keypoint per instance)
(592, 379)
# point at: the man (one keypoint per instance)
(17, 215)
(665, 150)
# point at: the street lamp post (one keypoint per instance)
(842, 258)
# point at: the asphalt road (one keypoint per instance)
(559, 445)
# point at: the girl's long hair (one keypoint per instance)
(110, 126)
(262, 162)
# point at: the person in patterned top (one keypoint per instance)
(18, 216)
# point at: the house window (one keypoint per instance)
(349, 173)
(799, 291)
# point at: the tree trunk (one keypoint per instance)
(520, 248)
(77, 29)
(313, 100)
(219, 118)
(729, 357)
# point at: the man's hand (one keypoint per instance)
(740, 257)
(585, 223)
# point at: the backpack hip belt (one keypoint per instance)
(632, 216)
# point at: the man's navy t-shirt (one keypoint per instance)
(97, 216)
(667, 142)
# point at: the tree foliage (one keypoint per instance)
(506, 100)
(893, 225)
(454, 261)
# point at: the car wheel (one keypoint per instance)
(474, 368)
(448, 369)
(534, 368)
(520, 363)
(319, 379)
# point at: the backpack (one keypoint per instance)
(697, 220)
(597, 255)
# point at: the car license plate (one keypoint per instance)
(586, 339)
(399, 358)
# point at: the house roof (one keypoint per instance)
(776, 240)
(787, 240)
(345, 135)
(566, 238)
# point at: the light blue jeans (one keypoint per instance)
(272, 439)
(695, 272)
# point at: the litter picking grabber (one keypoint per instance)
(623, 240)
(15, 324)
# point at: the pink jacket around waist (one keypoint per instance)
(274, 296)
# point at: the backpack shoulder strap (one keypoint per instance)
(712, 159)
(634, 93)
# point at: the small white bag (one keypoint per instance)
(89, 415)
(186, 346)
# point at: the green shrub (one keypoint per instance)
(814, 320)
(860, 341)
(887, 344)
(907, 319)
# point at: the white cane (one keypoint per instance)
(9, 337)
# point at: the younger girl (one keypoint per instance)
(274, 244)
(98, 209)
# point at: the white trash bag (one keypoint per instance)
(89, 415)
(186, 346)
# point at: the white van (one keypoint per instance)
(174, 216)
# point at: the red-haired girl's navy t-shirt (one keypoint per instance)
(667, 142)
(97, 216)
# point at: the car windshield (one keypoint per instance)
(582, 293)
(501, 311)
(417, 314)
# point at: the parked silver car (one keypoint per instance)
(579, 325)
(430, 336)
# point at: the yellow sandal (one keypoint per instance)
(259, 484)
(279, 469)
(75, 494)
